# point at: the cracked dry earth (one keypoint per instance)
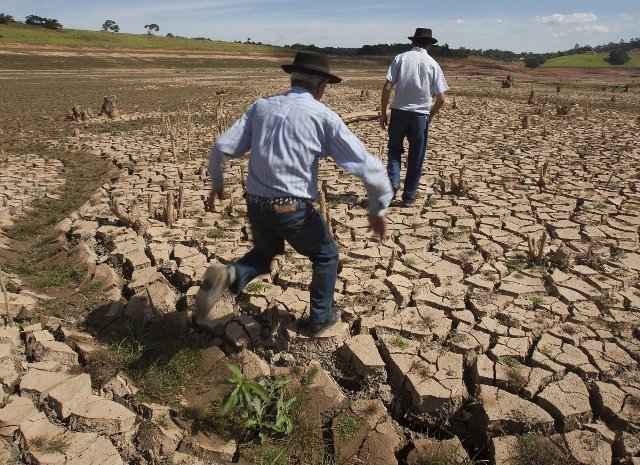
(501, 308)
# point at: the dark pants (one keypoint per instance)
(415, 127)
(305, 230)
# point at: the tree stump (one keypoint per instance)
(508, 82)
(531, 100)
(109, 107)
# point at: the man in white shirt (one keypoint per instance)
(287, 135)
(416, 76)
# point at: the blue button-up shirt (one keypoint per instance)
(416, 76)
(287, 135)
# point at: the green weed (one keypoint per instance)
(50, 445)
(399, 343)
(263, 404)
(348, 426)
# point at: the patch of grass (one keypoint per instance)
(546, 351)
(94, 286)
(272, 455)
(348, 426)
(163, 421)
(159, 364)
(600, 206)
(537, 300)
(410, 261)
(420, 369)
(309, 377)
(50, 445)
(215, 233)
(431, 202)
(510, 361)
(399, 342)
(539, 450)
(256, 286)
(516, 378)
(516, 264)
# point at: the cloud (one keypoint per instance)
(499, 21)
(595, 28)
(574, 18)
(459, 21)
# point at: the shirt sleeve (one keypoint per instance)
(392, 72)
(349, 153)
(232, 143)
(439, 85)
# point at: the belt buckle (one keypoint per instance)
(286, 208)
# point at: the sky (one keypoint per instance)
(518, 25)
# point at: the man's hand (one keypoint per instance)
(219, 193)
(378, 224)
(383, 120)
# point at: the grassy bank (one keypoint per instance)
(34, 35)
(591, 60)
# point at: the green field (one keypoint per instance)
(34, 35)
(590, 60)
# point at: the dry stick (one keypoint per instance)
(188, 132)
(173, 145)
(392, 261)
(6, 299)
(181, 201)
(169, 209)
(150, 206)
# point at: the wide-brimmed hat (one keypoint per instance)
(423, 33)
(312, 63)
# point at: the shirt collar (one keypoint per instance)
(419, 49)
(299, 90)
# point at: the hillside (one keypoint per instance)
(591, 60)
(23, 34)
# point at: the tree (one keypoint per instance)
(6, 19)
(534, 61)
(49, 23)
(110, 25)
(618, 56)
(151, 27)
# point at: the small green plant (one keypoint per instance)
(546, 351)
(201, 223)
(273, 456)
(256, 286)
(539, 450)
(163, 421)
(510, 361)
(420, 369)
(516, 377)
(348, 426)
(309, 377)
(600, 206)
(410, 261)
(95, 286)
(516, 264)
(537, 300)
(399, 343)
(50, 445)
(214, 233)
(431, 202)
(263, 404)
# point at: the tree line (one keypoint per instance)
(618, 52)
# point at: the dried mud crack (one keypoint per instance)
(498, 322)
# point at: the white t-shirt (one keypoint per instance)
(416, 76)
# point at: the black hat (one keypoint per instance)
(423, 33)
(312, 63)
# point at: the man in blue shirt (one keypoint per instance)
(416, 76)
(287, 135)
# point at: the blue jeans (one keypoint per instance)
(305, 230)
(415, 127)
